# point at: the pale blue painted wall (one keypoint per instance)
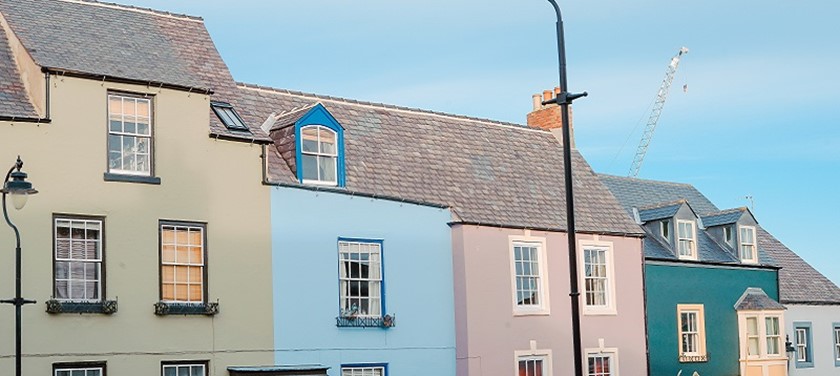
(417, 266)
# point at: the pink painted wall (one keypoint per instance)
(488, 333)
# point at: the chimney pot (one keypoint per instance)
(547, 95)
(557, 91)
(537, 101)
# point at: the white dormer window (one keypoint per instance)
(319, 155)
(687, 240)
(747, 244)
(665, 230)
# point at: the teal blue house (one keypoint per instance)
(711, 291)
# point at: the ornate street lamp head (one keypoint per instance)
(18, 187)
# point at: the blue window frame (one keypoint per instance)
(361, 277)
(803, 343)
(320, 148)
(364, 369)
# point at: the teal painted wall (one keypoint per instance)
(718, 289)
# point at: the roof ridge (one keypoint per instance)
(133, 8)
(725, 211)
(664, 204)
(389, 107)
(647, 180)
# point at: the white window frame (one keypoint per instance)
(533, 354)
(345, 308)
(61, 371)
(761, 318)
(836, 333)
(775, 337)
(318, 155)
(543, 308)
(178, 227)
(74, 222)
(728, 235)
(136, 135)
(607, 352)
(177, 366)
(692, 241)
(742, 244)
(665, 230)
(351, 370)
(610, 284)
(801, 344)
(699, 311)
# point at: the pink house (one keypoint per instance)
(512, 274)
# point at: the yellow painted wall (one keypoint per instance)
(206, 180)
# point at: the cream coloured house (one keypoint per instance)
(126, 121)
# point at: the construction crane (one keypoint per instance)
(661, 96)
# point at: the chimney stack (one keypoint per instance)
(549, 117)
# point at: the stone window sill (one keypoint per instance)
(132, 178)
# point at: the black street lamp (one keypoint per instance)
(564, 99)
(19, 189)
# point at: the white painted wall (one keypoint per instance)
(822, 319)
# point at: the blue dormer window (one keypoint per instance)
(320, 148)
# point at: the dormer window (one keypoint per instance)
(747, 244)
(687, 240)
(727, 234)
(319, 155)
(665, 230)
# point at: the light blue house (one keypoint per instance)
(363, 282)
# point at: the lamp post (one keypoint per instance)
(564, 99)
(19, 189)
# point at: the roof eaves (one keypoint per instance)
(355, 193)
(60, 72)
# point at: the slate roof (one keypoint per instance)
(639, 193)
(13, 99)
(488, 172)
(799, 282)
(724, 217)
(126, 43)
(661, 211)
(755, 299)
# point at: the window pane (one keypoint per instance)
(327, 141)
(309, 139)
(310, 167)
(327, 169)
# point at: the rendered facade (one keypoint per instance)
(363, 284)
(133, 248)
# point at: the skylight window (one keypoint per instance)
(227, 114)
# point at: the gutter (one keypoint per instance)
(659, 260)
(268, 182)
(100, 77)
(549, 229)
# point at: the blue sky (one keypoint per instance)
(761, 116)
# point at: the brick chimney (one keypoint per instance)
(548, 117)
